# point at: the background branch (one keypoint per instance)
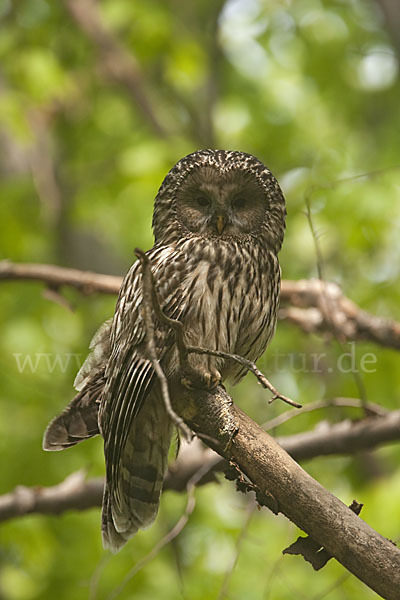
(318, 306)
(74, 493)
(78, 493)
(86, 282)
(304, 302)
(391, 14)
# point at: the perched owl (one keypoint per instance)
(219, 221)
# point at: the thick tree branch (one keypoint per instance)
(346, 437)
(117, 64)
(278, 481)
(315, 306)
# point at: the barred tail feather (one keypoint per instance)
(132, 498)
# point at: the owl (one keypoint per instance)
(218, 222)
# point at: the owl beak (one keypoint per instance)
(220, 222)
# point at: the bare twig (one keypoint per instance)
(327, 307)
(334, 586)
(175, 325)
(44, 168)
(150, 305)
(250, 366)
(315, 239)
(151, 299)
(370, 408)
(96, 575)
(52, 294)
(301, 301)
(223, 593)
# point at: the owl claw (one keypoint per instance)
(212, 379)
(202, 380)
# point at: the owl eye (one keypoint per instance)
(239, 202)
(203, 201)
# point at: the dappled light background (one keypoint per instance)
(98, 100)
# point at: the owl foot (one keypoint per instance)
(202, 379)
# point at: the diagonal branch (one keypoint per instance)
(287, 488)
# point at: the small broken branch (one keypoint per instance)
(311, 550)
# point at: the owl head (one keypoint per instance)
(223, 195)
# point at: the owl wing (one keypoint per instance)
(129, 374)
(114, 375)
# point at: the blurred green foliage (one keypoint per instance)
(311, 87)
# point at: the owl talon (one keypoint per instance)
(202, 380)
(212, 379)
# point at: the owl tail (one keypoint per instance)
(79, 421)
(131, 497)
